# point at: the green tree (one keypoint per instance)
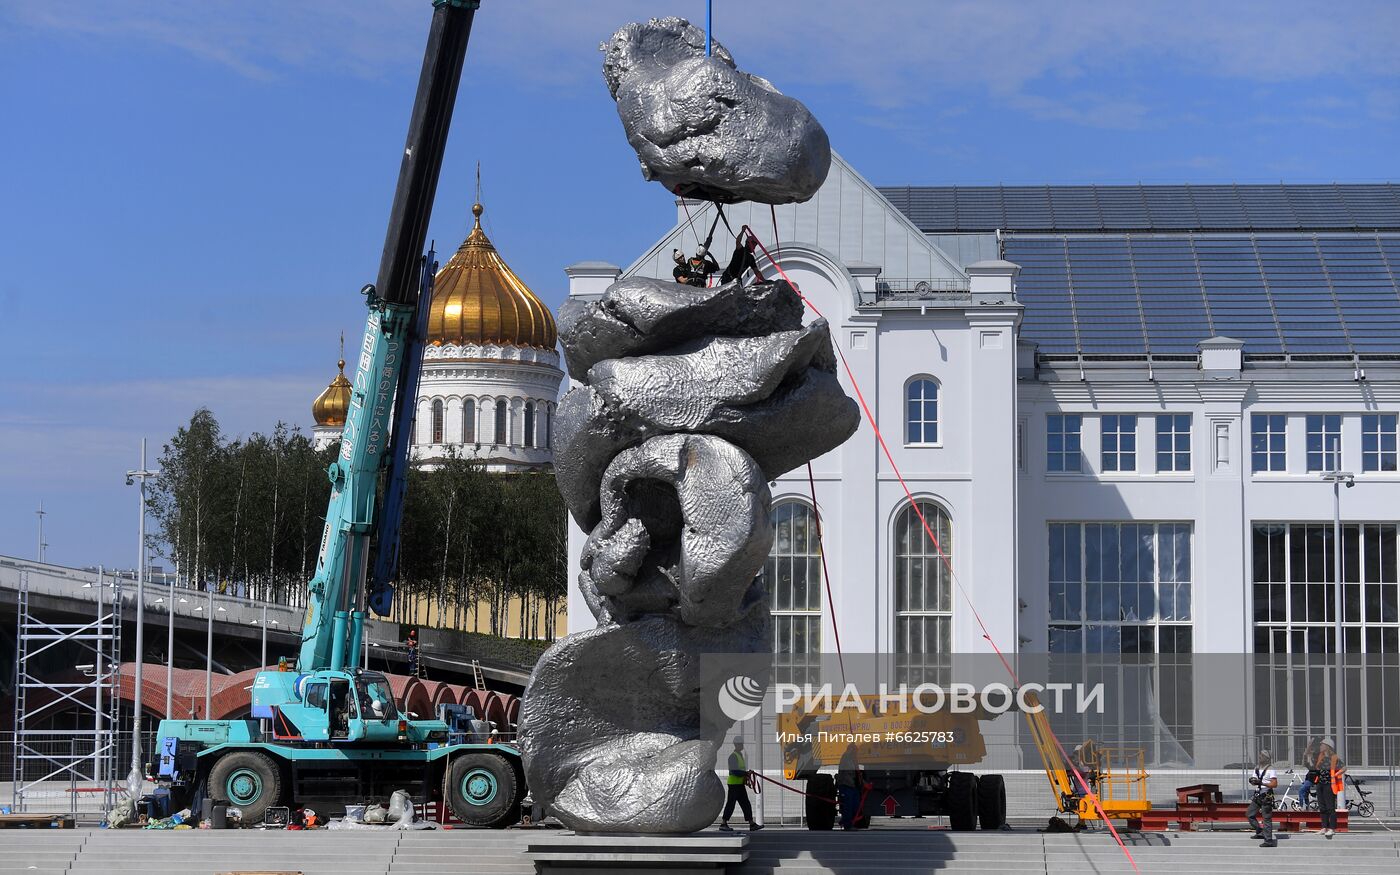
(249, 513)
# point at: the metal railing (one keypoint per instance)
(913, 292)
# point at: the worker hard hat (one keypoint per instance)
(738, 739)
(677, 255)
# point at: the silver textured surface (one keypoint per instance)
(765, 394)
(641, 315)
(690, 401)
(703, 128)
(722, 500)
(611, 731)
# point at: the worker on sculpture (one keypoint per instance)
(742, 260)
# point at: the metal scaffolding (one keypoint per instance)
(76, 759)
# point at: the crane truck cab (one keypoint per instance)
(341, 706)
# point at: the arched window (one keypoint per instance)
(500, 422)
(793, 574)
(548, 426)
(923, 593)
(921, 411)
(468, 421)
(529, 440)
(437, 421)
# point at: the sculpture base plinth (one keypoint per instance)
(568, 853)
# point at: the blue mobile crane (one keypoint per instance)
(329, 733)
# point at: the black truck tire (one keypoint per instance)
(962, 801)
(247, 780)
(991, 801)
(821, 813)
(484, 790)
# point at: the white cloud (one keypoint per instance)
(888, 49)
(90, 432)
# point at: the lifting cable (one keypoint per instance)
(709, 238)
(889, 457)
(689, 221)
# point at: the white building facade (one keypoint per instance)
(1115, 404)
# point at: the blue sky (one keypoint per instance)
(191, 194)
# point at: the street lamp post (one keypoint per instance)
(41, 514)
(263, 663)
(142, 474)
(170, 646)
(1337, 478)
(101, 770)
(209, 649)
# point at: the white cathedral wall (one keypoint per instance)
(531, 378)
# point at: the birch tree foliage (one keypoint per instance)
(478, 550)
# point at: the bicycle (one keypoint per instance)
(1287, 802)
(1365, 807)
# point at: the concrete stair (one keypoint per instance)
(440, 852)
(773, 851)
(195, 852)
(39, 852)
(904, 852)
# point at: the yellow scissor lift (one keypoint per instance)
(1117, 776)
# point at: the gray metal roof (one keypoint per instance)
(1133, 294)
(1050, 208)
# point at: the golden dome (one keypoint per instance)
(330, 406)
(477, 299)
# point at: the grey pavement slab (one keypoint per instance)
(773, 851)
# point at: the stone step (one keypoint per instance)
(520, 865)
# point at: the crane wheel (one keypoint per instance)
(821, 814)
(962, 801)
(991, 801)
(249, 781)
(483, 790)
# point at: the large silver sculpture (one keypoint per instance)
(687, 402)
(703, 128)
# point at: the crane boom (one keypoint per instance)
(332, 727)
(335, 609)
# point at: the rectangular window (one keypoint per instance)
(792, 576)
(1324, 442)
(1267, 441)
(921, 413)
(1119, 433)
(1173, 442)
(1105, 577)
(1125, 589)
(1062, 452)
(1378, 433)
(1294, 578)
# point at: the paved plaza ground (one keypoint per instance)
(889, 849)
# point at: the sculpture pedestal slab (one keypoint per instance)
(568, 853)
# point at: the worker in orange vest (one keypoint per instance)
(1333, 775)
